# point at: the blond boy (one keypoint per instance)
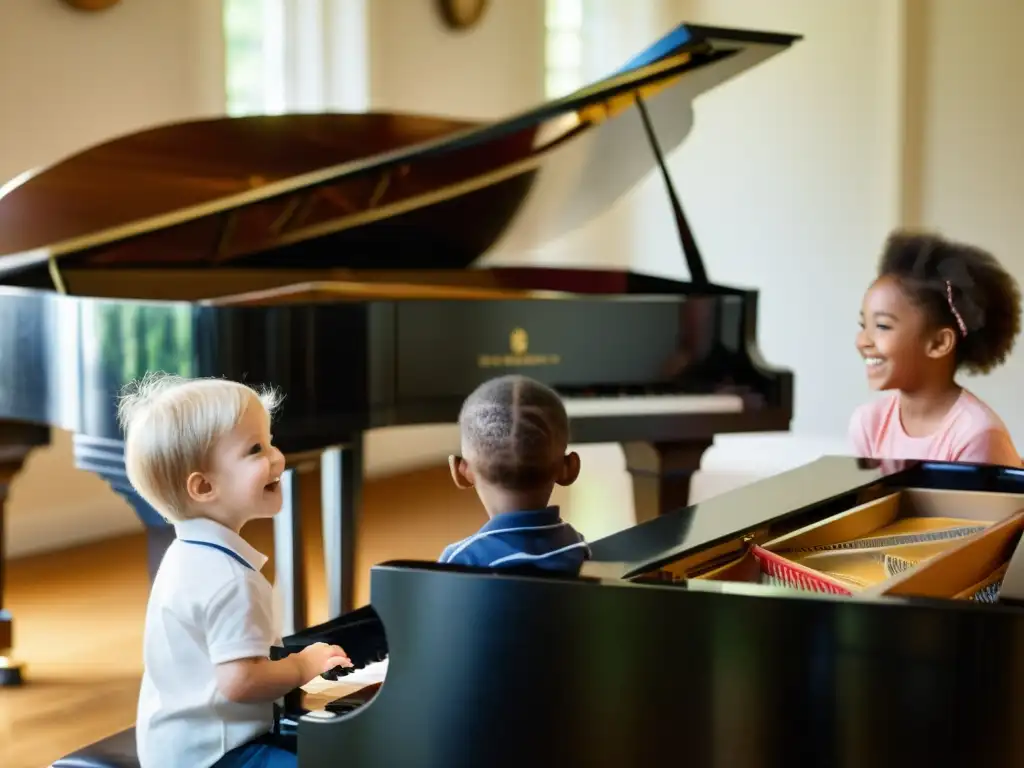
(199, 451)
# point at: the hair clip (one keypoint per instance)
(952, 308)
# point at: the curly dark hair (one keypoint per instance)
(515, 430)
(929, 268)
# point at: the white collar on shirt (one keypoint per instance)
(204, 529)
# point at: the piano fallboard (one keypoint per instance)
(674, 361)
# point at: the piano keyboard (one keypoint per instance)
(371, 673)
(650, 405)
(338, 696)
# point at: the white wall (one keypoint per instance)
(418, 65)
(68, 80)
(967, 177)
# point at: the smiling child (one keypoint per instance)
(936, 308)
(200, 452)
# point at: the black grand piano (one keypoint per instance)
(336, 257)
(848, 613)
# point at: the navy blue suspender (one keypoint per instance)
(225, 550)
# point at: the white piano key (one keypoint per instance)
(651, 405)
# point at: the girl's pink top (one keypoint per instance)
(971, 432)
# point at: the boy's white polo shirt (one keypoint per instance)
(205, 608)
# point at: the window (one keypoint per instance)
(255, 39)
(563, 56)
(253, 56)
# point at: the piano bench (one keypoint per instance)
(117, 751)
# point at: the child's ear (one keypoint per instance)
(462, 474)
(200, 490)
(942, 343)
(570, 469)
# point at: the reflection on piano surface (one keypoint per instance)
(335, 256)
(671, 642)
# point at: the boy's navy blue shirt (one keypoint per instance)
(537, 538)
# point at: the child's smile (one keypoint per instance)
(874, 366)
(888, 335)
(900, 349)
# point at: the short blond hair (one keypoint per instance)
(171, 423)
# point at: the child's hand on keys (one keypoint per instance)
(318, 658)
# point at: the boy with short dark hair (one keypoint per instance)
(515, 438)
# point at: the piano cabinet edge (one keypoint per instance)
(418, 604)
(729, 565)
(275, 284)
(17, 441)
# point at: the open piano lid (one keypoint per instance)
(732, 515)
(365, 190)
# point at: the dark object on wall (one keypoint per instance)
(91, 5)
(462, 14)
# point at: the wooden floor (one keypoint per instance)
(79, 613)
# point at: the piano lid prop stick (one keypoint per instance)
(694, 261)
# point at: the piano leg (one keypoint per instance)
(289, 556)
(661, 474)
(341, 475)
(16, 442)
(105, 458)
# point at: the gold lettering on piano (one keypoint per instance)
(519, 354)
(519, 341)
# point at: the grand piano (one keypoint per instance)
(846, 613)
(336, 256)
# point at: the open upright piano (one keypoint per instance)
(846, 613)
(336, 257)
